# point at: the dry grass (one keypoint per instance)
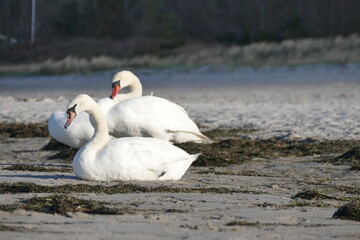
(290, 52)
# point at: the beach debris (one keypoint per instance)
(350, 211)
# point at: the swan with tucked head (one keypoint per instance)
(134, 158)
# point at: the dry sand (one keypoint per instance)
(253, 200)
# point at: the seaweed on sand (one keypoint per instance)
(229, 148)
(54, 145)
(312, 195)
(239, 150)
(242, 223)
(63, 204)
(21, 130)
(351, 157)
(32, 168)
(6, 228)
(349, 211)
(65, 152)
(124, 188)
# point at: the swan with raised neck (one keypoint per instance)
(130, 158)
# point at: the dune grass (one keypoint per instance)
(335, 50)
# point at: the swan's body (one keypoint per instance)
(106, 159)
(155, 117)
(82, 129)
(150, 116)
(76, 137)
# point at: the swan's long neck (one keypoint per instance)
(136, 90)
(136, 87)
(101, 134)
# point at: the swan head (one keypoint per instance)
(121, 79)
(77, 105)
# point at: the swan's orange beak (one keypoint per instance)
(115, 91)
(71, 117)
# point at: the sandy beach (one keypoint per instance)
(260, 198)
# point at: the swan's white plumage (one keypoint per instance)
(136, 158)
(150, 116)
(82, 129)
(132, 115)
(133, 158)
(77, 136)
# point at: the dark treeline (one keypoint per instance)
(87, 28)
(227, 21)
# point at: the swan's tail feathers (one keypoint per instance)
(196, 137)
(195, 156)
(178, 168)
(207, 140)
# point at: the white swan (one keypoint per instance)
(105, 159)
(156, 117)
(82, 130)
(131, 115)
(80, 134)
(150, 116)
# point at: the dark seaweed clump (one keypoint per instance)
(32, 168)
(6, 228)
(242, 223)
(229, 147)
(20, 130)
(63, 204)
(54, 145)
(239, 150)
(236, 150)
(351, 157)
(22, 187)
(312, 195)
(65, 152)
(350, 211)
(316, 195)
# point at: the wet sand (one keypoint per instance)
(253, 200)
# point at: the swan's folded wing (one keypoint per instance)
(147, 152)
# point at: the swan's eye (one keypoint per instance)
(117, 83)
(72, 109)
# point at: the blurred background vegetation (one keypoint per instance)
(127, 28)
